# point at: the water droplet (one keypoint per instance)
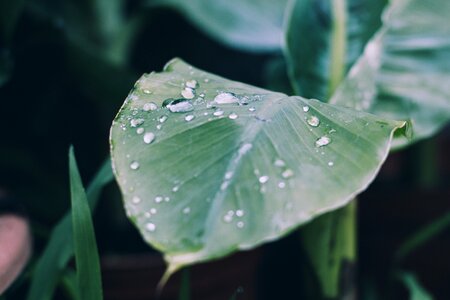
(279, 163)
(191, 84)
(136, 200)
(281, 184)
(158, 199)
(226, 98)
(159, 126)
(206, 80)
(178, 105)
(239, 213)
(224, 185)
(263, 179)
(149, 106)
(287, 173)
(202, 95)
(218, 113)
(167, 199)
(147, 214)
(162, 119)
(305, 108)
(240, 224)
(330, 163)
(332, 131)
(245, 148)
(149, 137)
(323, 141)
(313, 121)
(134, 165)
(228, 218)
(175, 188)
(153, 210)
(252, 109)
(189, 118)
(150, 227)
(186, 210)
(140, 130)
(233, 116)
(228, 175)
(146, 91)
(188, 93)
(136, 122)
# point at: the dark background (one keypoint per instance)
(58, 91)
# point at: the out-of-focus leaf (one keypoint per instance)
(322, 41)
(254, 25)
(423, 235)
(59, 249)
(416, 291)
(404, 71)
(237, 166)
(85, 246)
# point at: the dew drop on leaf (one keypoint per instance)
(150, 227)
(322, 141)
(263, 179)
(149, 106)
(233, 116)
(189, 118)
(134, 165)
(149, 137)
(313, 121)
(226, 98)
(188, 93)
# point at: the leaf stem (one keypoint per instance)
(339, 45)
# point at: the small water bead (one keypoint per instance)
(175, 188)
(134, 165)
(281, 184)
(206, 80)
(228, 216)
(136, 122)
(159, 126)
(228, 175)
(180, 106)
(147, 214)
(202, 95)
(263, 179)
(305, 108)
(136, 200)
(189, 118)
(149, 106)
(287, 173)
(239, 213)
(226, 98)
(186, 210)
(146, 91)
(150, 227)
(191, 84)
(162, 119)
(140, 130)
(167, 199)
(323, 141)
(153, 210)
(332, 131)
(279, 163)
(188, 93)
(218, 113)
(245, 148)
(149, 137)
(233, 116)
(240, 224)
(330, 163)
(224, 185)
(252, 109)
(158, 199)
(313, 121)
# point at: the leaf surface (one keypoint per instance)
(404, 71)
(240, 166)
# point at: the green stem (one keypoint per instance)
(338, 45)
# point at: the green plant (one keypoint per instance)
(208, 166)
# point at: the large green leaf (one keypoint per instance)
(405, 70)
(324, 38)
(255, 25)
(237, 165)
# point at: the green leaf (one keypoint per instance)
(210, 181)
(323, 39)
(404, 71)
(85, 246)
(416, 291)
(254, 25)
(59, 249)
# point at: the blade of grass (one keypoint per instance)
(423, 236)
(59, 249)
(86, 253)
(415, 289)
(69, 283)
